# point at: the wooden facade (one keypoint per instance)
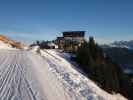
(70, 41)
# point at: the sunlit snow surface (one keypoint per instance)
(74, 83)
(26, 75)
(5, 45)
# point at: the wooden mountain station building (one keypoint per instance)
(71, 40)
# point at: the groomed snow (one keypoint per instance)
(25, 75)
(75, 84)
(5, 45)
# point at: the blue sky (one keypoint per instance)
(30, 20)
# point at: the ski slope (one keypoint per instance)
(76, 85)
(25, 75)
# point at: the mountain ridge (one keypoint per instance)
(11, 42)
(123, 44)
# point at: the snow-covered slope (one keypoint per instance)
(11, 42)
(25, 75)
(5, 45)
(77, 86)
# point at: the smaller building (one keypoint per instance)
(60, 42)
(51, 45)
(44, 44)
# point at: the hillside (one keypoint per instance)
(44, 75)
(122, 56)
(25, 75)
(78, 86)
(10, 42)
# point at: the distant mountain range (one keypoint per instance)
(121, 44)
(122, 53)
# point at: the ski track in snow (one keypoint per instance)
(75, 84)
(25, 75)
(14, 84)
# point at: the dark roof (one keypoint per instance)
(60, 38)
(74, 34)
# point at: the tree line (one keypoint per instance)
(99, 67)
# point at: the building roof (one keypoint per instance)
(74, 34)
(60, 38)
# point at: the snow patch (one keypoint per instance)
(5, 45)
(75, 84)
